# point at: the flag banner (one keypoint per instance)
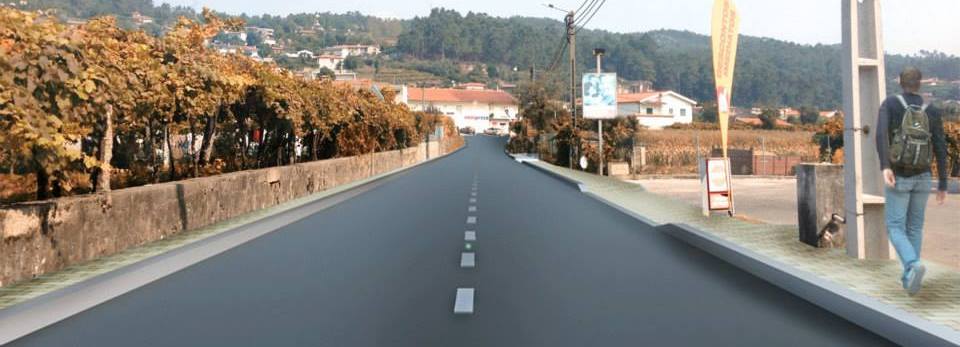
(726, 32)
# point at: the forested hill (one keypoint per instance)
(769, 71)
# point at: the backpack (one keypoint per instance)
(911, 144)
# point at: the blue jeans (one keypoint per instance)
(906, 204)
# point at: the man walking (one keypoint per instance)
(909, 135)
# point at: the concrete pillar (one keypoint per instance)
(819, 196)
(863, 90)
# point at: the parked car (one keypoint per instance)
(492, 132)
(468, 131)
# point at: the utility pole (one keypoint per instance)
(598, 52)
(572, 42)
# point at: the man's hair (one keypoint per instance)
(910, 79)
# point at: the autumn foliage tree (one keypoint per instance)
(95, 99)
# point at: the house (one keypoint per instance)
(300, 54)
(657, 109)
(332, 62)
(476, 108)
(140, 19)
(829, 114)
(351, 50)
(634, 87)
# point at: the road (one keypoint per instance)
(554, 268)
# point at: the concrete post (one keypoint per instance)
(863, 91)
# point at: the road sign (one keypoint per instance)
(583, 162)
(718, 190)
(600, 95)
(726, 32)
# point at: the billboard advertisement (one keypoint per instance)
(600, 95)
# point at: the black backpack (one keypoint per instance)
(911, 146)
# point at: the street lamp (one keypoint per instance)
(599, 52)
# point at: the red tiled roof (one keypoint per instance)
(461, 95)
(636, 97)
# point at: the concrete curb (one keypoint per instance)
(885, 320)
(572, 182)
(882, 319)
(27, 317)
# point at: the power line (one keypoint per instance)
(591, 15)
(587, 10)
(581, 6)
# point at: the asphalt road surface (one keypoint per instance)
(553, 268)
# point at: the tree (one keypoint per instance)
(327, 73)
(352, 63)
(809, 115)
(769, 117)
(709, 113)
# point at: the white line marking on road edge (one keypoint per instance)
(471, 220)
(468, 260)
(470, 235)
(464, 301)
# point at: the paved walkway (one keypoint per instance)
(939, 301)
(774, 201)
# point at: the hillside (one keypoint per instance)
(769, 71)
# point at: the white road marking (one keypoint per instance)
(472, 209)
(473, 194)
(471, 220)
(468, 260)
(470, 235)
(464, 301)
(473, 200)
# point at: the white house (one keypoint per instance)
(351, 50)
(332, 62)
(657, 109)
(476, 108)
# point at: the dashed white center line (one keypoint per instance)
(468, 260)
(470, 235)
(472, 209)
(473, 200)
(472, 220)
(473, 193)
(464, 301)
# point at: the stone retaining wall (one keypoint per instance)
(45, 236)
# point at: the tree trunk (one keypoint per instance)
(314, 143)
(209, 132)
(43, 184)
(193, 149)
(102, 183)
(172, 168)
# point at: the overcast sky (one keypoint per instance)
(909, 25)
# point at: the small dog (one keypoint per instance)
(829, 236)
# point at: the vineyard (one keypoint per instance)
(94, 107)
(672, 151)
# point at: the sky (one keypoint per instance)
(909, 25)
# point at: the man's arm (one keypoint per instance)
(939, 148)
(883, 136)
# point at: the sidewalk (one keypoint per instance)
(938, 302)
(774, 201)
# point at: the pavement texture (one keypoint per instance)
(938, 301)
(553, 268)
(774, 201)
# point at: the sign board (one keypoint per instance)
(600, 95)
(583, 162)
(719, 191)
(726, 33)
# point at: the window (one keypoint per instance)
(649, 110)
(459, 109)
(671, 111)
(683, 112)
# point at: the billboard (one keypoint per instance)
(600, 95)
(726, 32)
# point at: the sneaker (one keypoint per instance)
(915, 278)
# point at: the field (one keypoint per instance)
(672, 151)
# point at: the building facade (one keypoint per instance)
(477, 108)
(658, 109)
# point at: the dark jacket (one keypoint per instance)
(891, 116)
